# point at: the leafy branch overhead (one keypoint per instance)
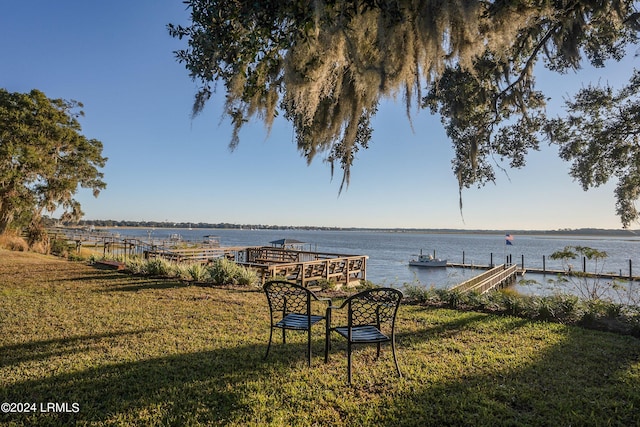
(327, 64)
(600, 136)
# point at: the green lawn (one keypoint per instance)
(138, 351)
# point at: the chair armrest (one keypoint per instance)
(325, 299)
(328, 315)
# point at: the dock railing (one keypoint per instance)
(306, 267)
(496, 277)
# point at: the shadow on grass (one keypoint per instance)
(41, 350)
(560, 387)
(146, 283)
(554, 387)
(445, 329)
(107, 276)
(199, 387)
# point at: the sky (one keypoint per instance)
(117, 58)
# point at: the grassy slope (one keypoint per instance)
(152, 352)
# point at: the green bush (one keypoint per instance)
(604, 309)
(220, 272)
(198, 272)
(418, 293)
(475, 300)
(246, 277)
(61, 247)
(325, 284)
(561, 308)
(159, 267)
(225, 272)
(135, 265)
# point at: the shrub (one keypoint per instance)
(136, 265)
(512, 303)
(475, 300)
(246, 277)
(325, 284)
(604, 309)
(59, 247)
(453, 298)
(159, 267)
(562, 308)
(225, 272)
(196, 271)
(13, 242)
(39, 241)
(418, 293)
(545, 308)
(366, 284)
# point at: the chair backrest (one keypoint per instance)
(373, 307)
(287, 297)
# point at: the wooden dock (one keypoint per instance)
(306, 267)
(494, 278)
(612, 276)
(303, 267)
(545, 271)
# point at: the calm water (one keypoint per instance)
(389, 252)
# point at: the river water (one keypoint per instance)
(390, 252)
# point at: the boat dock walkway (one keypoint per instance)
(497, 277)
(544, 271)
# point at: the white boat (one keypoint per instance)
(427, 261)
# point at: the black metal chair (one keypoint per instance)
(371, 319)
(291, 304)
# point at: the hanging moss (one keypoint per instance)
(327, 64)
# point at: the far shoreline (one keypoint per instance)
(241, 227)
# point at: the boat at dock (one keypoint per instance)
(429, 261)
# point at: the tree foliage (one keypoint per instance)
(601, 137)
(43, 158)
(327, 64)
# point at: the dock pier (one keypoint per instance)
(493, 278)
(544, 271)
(303, 267)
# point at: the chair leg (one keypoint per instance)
(269, 345)
(327, 345)
(395, 359)
(284, 335)
(309, 347)
(378, 352)
(349, 362)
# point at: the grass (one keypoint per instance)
(138, 351)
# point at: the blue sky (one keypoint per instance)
(117, 59)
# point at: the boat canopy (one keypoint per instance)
(288, 243)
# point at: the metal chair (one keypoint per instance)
(291, 304)
(371, 319)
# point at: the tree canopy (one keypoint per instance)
(44, 158)
(327, 64)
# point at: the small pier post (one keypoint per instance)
(491, 263)
(544, 264)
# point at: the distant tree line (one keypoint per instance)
(200, 225)
(225, 225)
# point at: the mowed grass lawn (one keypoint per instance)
(123, 350)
